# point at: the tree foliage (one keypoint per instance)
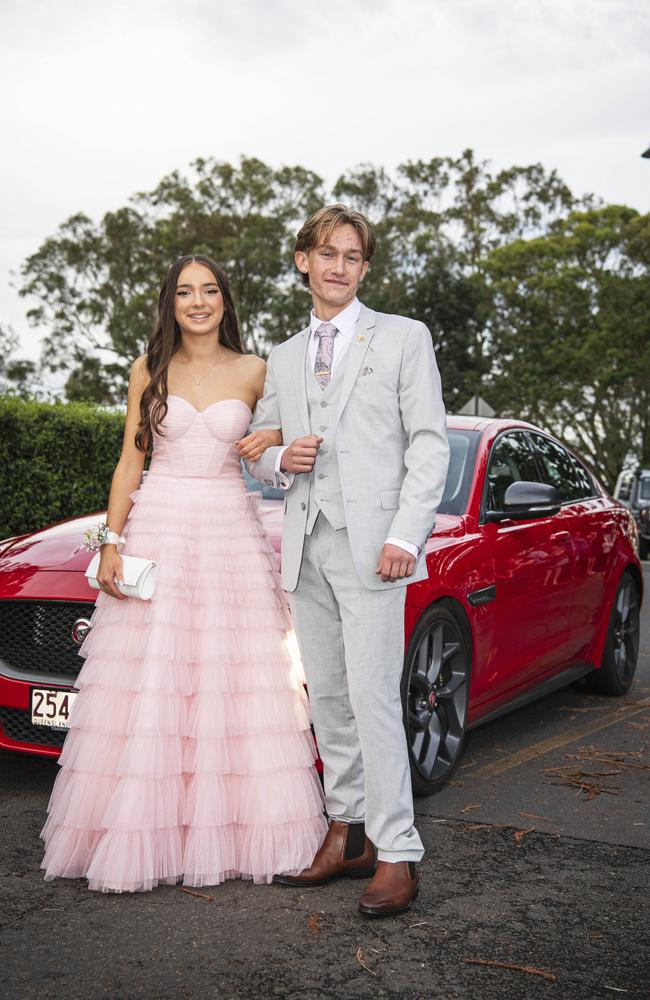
(17, 375)
(570, 333)
(535, 299)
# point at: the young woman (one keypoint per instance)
(190, 755)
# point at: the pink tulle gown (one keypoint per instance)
(189, 755)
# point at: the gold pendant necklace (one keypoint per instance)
(203, 377)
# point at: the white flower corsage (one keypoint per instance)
(100, 535)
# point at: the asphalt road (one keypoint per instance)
(537, 857)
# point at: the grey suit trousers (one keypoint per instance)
(352, 644)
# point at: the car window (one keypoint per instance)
(511, 461)
(561, 470)
(463, 446)
(624, 486)
(644, 488)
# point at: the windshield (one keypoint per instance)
(644, 488)
(462, 452)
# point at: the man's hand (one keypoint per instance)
(301, 454)
(395, 563)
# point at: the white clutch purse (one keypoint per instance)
(139, 576)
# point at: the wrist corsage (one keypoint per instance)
(100, 535)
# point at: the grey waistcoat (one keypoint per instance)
(325, 484)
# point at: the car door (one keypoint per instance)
(587, 515)
(533, 563)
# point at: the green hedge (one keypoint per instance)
(56, 461)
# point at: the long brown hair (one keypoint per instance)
(166, 339)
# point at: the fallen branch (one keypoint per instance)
(361, 960)
(589, 789)
(528, 969)
(487, 826)
(610, 758)
(520, 834)
(193, 892)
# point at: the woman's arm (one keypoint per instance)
(126, 479)
(253, 446)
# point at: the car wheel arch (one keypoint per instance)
(597, 647)
(636, 575)
(447, 726)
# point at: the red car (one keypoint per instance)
(534, 582)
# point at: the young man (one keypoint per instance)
(357, 396)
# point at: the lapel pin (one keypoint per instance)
(360, 338)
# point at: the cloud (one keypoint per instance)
(108, 96)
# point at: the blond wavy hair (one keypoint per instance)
(318, 228)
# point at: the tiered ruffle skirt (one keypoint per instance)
(190, 755)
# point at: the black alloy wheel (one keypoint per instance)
(435, 691)
(622, 644)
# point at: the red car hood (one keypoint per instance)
(60, 547)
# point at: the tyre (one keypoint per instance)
(622, 644)
(435, 692)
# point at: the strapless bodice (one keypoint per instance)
(199, 443)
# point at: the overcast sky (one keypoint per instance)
(102, 98)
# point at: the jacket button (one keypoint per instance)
(322, 427)
(303, 506)
(323, 403)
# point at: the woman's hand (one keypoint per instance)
(110, 569)
(254, 445)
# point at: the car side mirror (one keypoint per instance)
(524, 501)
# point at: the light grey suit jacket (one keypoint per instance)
(391, 440)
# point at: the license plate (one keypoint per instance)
(51, 707)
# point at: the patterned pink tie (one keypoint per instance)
(326, 333)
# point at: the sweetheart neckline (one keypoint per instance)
(217, 402)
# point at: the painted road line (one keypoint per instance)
(546, 746)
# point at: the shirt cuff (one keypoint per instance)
(283, 480)
(412, 550)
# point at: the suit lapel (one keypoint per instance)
(355, 354)
(299, 369)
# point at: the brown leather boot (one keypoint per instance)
(346, 852)
(391, 891)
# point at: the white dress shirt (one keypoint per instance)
(345, 323)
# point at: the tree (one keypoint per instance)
(17, 375)
(95, 285)
(437, 221)
(571, 333)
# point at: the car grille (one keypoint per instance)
(17, 726)
(36, 636)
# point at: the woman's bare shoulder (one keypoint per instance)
(255, 363)
(139, 370)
